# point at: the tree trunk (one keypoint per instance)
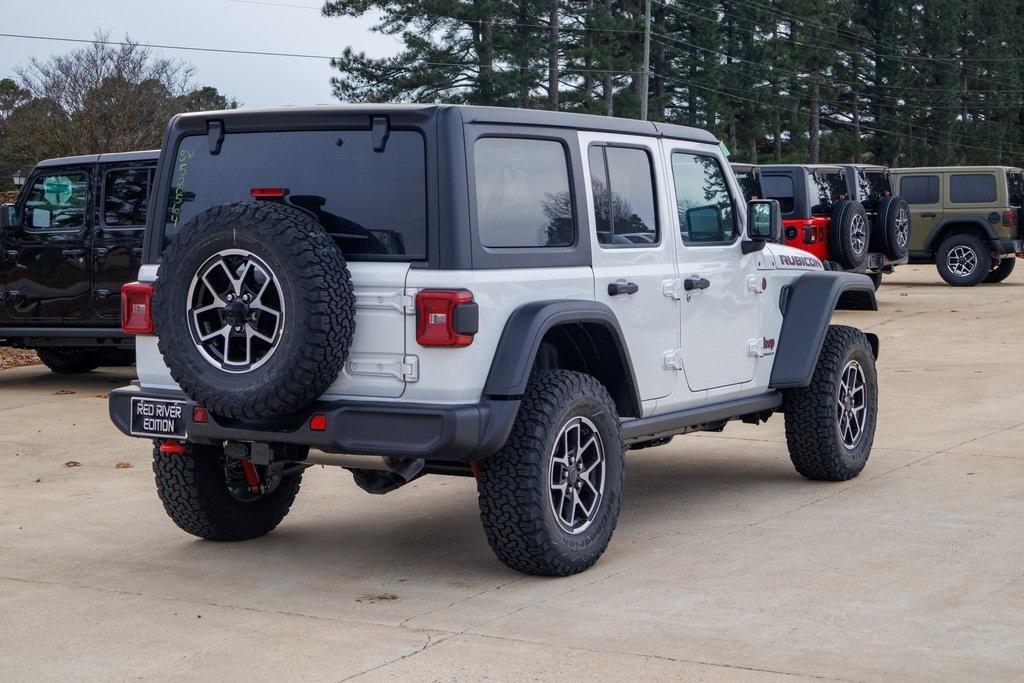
(485, 80)
(588, 60)
(553, 56)
(609, 92)
(814, 127)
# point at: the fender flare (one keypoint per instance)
(932, 244)
(525, 329)
(807, 305)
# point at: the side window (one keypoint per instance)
(125, 197)
(780, 188)
(522, 193)
(920, 189)
(622, 181)
(706, 211)
(57, 202)
(827, 189)
(1015, 187)
(972, 188)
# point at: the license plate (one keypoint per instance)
(158, 417)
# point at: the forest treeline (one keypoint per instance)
(898, 82)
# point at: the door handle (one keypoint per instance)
(137, 252)
(101, 252)
(102, 294)
(72, 252)
(622, 287)
(692, 283)
(14, 296)
(11, 255)
(928, 215)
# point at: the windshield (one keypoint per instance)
(1015, 184)
(372, 202)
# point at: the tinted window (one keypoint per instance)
(974, 188)
(749, 185)
(878, 185)
(522, 193)
(706, 212)
(780, 187)
(920, 189)
(1015, 185)
(125, 195)
(57, 202)
(373, 203)
(623, 188)
(827, 188)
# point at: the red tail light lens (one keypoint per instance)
(199, 415)
(445, 317)
(1009, 219)
(137, 308)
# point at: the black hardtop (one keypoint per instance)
(112, 158)
(328, 115)
(788, 168)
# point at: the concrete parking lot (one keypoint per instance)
(725, 565)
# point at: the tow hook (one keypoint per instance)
(173, 448)
(252, 477)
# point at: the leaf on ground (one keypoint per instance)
(63, 392)
(379, 597)
(123, 465)
(102, 395)
(72, 463)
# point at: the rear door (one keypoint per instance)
(370, 195)
(117, 240)
(633, 252)
(921, 192)
(49, 269)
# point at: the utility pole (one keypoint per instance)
(645, 73)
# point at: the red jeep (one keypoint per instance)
(846, 215)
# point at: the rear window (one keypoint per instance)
(972, 188)
(373, 203)
(522, 193)
(876, 185)
(780, 188)
(749, 186)
(1015, 185)
(920, 189)
(827, 189)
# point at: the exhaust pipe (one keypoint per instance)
(372, 473)
(361, 462)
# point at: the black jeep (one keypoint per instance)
(69, 241)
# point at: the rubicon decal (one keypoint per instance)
(799, 261)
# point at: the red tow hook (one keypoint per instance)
(173, 448)
(252, 477)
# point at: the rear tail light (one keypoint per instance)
(199, 415)
(810, 233)
(1009, 219)
(446, 317)
(137, 308)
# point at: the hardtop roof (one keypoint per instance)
(955, 169)
(470, 114)
(112, 157)
(815, 167)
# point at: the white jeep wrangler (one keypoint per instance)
(519, 296)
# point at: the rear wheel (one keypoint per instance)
(830, 424)
(1002, 271)
(212, 496)
(69, 361)
(550, 499)
(963, 260)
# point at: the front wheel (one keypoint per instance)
(830, 424)
(69, 361)
(212, 496)
(550, 498)
(1002, 271)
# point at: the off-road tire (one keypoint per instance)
(891, 235)
(812, 430)
(512, 484)
(844, 246)
(69, 361)
(319, 306)
(193, 489)
(971, 243)
(1002, 271)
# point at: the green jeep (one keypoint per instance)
(967, 220)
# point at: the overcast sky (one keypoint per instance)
(265, 25)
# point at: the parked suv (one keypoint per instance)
(516, 295)
(847, 215)
(968, 220)
(69, 241)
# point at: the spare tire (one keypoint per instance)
(891, 235)
(848, 234)
(254, 310)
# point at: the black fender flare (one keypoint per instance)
(807, 305)
(525, 329)
(932, 244)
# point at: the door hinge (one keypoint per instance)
(672, 288)
(673, 359)
(396, 301)
(757, 283)
(404, 368)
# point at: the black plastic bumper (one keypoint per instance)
(1009, 246)
(432, 432)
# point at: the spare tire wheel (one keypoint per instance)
(254, 310)
(893, 230)
(848, 234)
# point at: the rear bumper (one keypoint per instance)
(1007, 247)
(459, 433)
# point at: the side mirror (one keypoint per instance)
(764, 220)
(8, 216)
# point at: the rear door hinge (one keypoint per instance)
(404, 368)
(672, 288)
(394, 300)
(673, 360)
